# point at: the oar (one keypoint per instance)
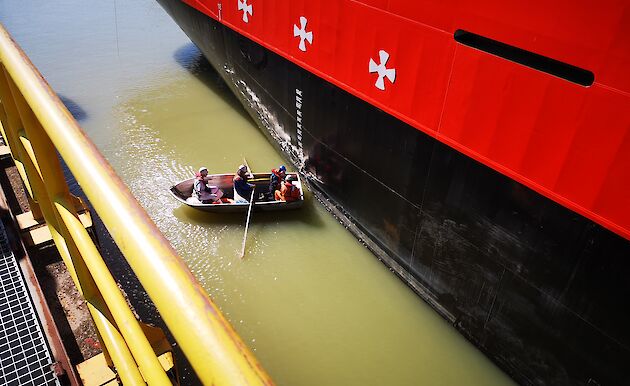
(249, 210)
(249, 213)
(251, 175)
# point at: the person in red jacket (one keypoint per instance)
(275, 180)
(288, 192)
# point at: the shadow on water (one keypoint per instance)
(191, 59)
(75, 109)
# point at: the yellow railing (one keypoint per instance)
(36, 126)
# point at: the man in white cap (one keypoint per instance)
(204, 193)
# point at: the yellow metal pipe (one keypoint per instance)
(10, 119)
(11, 126)
(211, 344)
(122, 358)
(113, 342)
(38, 147)
(124, 364)
(22, 172)
(114, 345)
(28, 149)
(129, 327)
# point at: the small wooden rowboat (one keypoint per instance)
(183, 193)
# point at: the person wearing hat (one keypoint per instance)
(288, 192)
(276, 178)
(202, 191)
(242, 189)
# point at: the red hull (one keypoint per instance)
(568, 142)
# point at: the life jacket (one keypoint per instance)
(290, 192)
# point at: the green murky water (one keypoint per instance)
(315, 306)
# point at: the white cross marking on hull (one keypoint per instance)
(301, 32)
(383, 72)
(246, 8)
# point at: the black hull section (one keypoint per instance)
(540, 289)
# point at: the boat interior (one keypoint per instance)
(184, 189)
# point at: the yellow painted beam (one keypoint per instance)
(26, 220)
(95, 372)
(129, 327)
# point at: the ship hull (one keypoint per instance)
(539, 288)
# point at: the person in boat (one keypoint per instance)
(275, 180)
(288, 192)
(242, 189)
(202, 191)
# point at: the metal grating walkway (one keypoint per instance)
(25, 358)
